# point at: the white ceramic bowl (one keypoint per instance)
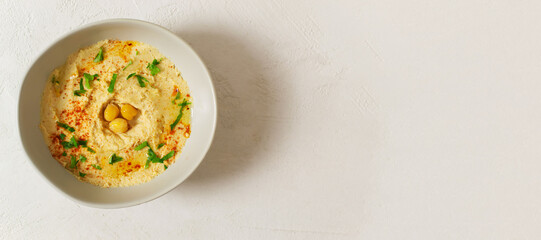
(203, 112)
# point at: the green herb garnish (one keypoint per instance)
(73, 163)
(88, 80)
(62, 136)
(82, 142)
(153, 67)
(147, 164)
(140, 79)
(73, 141)
(177, 97)
(112, 84)
(81, 90)
(136, 52)
(65, 126)
(131, 75)
(82, 158)
(167, 156)
(182, 106)
(114, 158)
(96, 166)
(165, 167)
(64, 154)
(90, 149)
(99, 56)
(161, 145)
(53, 79)
(82, 174)
(129, 63)
(141, 146)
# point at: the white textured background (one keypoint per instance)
(371, 119)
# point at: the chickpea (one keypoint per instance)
(110, 112)
(128, 111)
(119, 125)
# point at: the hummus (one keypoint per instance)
(117, 74)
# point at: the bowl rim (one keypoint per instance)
(145, 199)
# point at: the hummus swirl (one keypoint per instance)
(79, 137)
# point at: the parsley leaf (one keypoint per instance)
(114, 158)
(152, 157)
(82, 174)
(65, 126)
(82, 142)
(165, 167)
(64, 154)
(99, 56)
(177, 97)
(153, 67)
(90, 149)
(182, 106)
(141, 146)
(96, 166)
(82, 158)
(136, 52)
(73, 141)
(140, 80)
(112, 84)
(66, 145)
(53, 79)
(88, 80)
(81, 90)
(167, 156)
(129, 63)
(161, 145)
(73, 163)
(62, 136)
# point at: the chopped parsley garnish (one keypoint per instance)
(73, 163)
(90, 149)
(64, 154)
(153, 67)
(73, 141)
(112, 84)
(62, 136)
(82, 158)
(141, 146)
(140, 79)
(82, 174)
(66, 145)
(177, 97)
(96, 166)
(182, 106)
(53, 79)
(114, 158)
(88, 80)
(165, 167)
(161, 145)
(82, 142)
(81, 90)
(151, 155)
(99, 56)
(129, 63)
(167, 156)
(136, 52)
(65, 126)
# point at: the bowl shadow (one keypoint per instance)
(243, 94)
